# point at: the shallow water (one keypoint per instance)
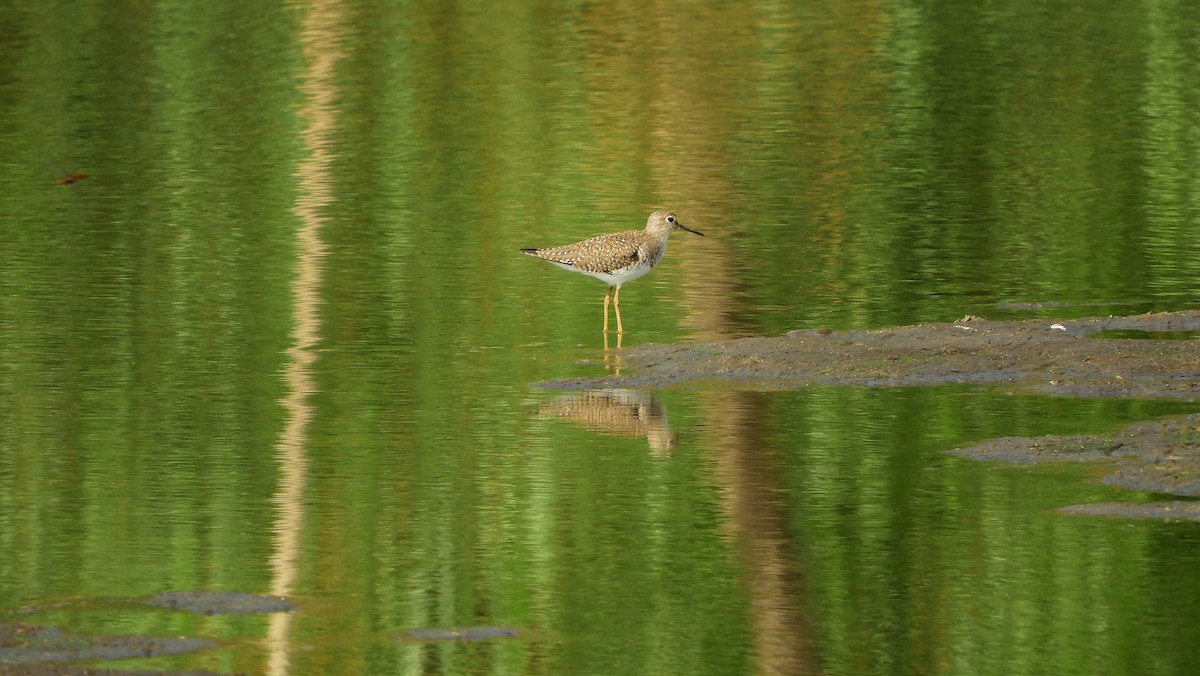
(279, 340)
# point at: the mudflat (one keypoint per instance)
(1150, 356)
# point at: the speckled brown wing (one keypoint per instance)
(598, 254)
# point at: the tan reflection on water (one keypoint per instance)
(626, 413)
(689, 161)
(321, 46)
(612, 360)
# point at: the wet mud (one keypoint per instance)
(1161, 456)
(37, 669)
(1150, 356)
(27, 648)
(34, 649)
(1062, 357)
(221, 603)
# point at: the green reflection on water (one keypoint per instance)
(913, 558)
(853, 165)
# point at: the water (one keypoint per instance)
(280, 341)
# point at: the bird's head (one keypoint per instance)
(666, 221)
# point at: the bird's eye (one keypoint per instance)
(670, 219)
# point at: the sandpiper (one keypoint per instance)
(617, 258)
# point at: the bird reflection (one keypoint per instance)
(612, 360)
(626, 413)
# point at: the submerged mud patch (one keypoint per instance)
(1161, 456)
(1169, 511)
(221, 603)
(31, 643)
(55, 669)
(27, 648)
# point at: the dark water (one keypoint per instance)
(279, 340)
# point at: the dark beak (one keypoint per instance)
(694, 232)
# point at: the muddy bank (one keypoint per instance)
(1064, 357)
(1095, 357)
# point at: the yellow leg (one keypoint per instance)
(606, 295)
(617, 306)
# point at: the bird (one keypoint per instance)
(618, 257)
